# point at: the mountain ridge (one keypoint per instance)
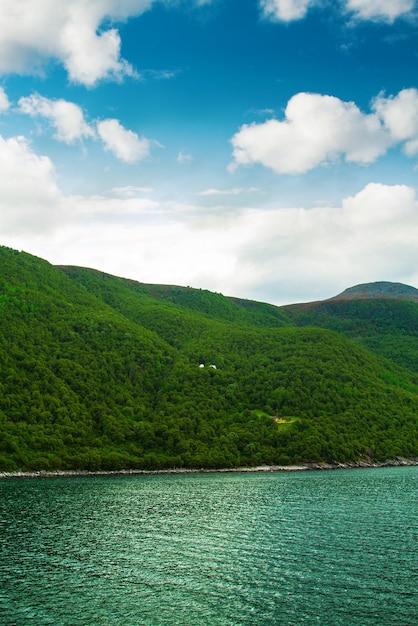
(370, 290)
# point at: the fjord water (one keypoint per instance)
(328, 548)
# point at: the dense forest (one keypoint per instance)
(104, 373)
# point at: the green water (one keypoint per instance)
(328, 548)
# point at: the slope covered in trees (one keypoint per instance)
(381, 316)
(99, 372)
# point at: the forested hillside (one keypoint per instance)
(381, 316)
(99, 372)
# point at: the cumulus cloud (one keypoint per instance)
(4, 101)
(34, 31)
(125, 144)
(66, 117)
(319, 129)
(400, 116)
(30, 200)
(68, 120)
(380, 9)
(316, 129)
(75, 33)
(285, 10)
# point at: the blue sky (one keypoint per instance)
(265, 149)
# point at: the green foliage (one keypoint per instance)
(99, 372)
(388, 327)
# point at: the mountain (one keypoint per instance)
(381, 316)
(101, 373)
(382, 290)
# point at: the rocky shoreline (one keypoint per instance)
(366, 464)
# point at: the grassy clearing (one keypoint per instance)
(285, 422)
(282, 421)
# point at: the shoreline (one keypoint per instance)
(306, 467)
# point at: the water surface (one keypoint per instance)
(328, 548)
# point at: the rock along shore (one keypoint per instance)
(399, 462)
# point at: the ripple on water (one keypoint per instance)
(333, 548)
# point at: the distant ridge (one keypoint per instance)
(383, 289)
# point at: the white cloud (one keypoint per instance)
(72, 32)
(378, 206)
(33, 31)
(299, 254)
(68, 120)
(66, 117)
(317, 129)
(112, 210)
(125, 144)
(386, 10)
(286, 10)
(130, 190)
(400, 116)
(30, 201)
(228, 192)
(4, 101)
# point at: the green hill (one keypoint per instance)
(99, 372)
(381, 316)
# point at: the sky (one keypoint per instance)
(264, 149)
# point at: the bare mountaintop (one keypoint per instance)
(394, 291)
